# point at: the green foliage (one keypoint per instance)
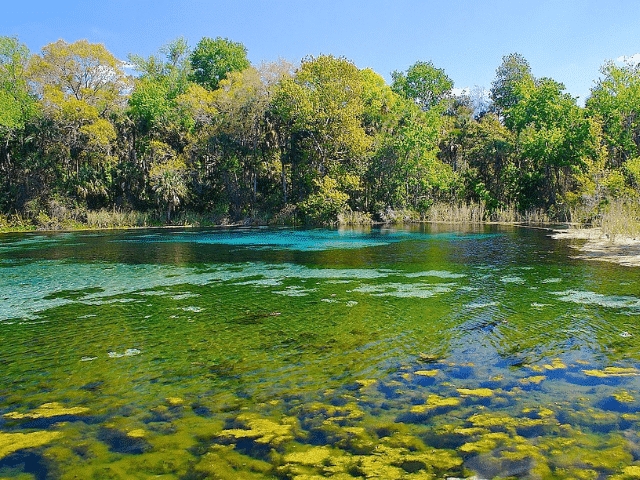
(81, 70)
(554, 134)
(493, 174)
(153, 104)
(321, 111)
(616, 100)
(423, 83)
(326, 203)
(204, 131)
(17, 105)
(213, 59)
(167, 178)
(513, 70)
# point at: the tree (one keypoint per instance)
(83, 71)
(321, 108)
(18, 109)
(423, 83)
(513, 70)
(213, 59)
(405, 170)
(616, 101)
(554, 135)
(493, 174)
(163, 77)
(82, 88)
(17, 104)
(167, 177)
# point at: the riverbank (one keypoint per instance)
(596, 244)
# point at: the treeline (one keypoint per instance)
(201, 130)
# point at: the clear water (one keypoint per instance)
(306, 354)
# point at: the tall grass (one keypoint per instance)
(620, 218)
(105, 218)
(456, 213)
(354, 218)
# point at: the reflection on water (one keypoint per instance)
(293, 354)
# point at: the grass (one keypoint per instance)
(59, 217)
(620, 218)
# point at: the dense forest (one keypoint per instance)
(198, 134)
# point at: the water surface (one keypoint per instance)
(304, 354)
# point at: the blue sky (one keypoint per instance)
(567, 40)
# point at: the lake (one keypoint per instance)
(255, 353)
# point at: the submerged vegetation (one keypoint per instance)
(199, 135)
(429, 352)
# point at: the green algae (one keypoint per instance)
(47, 410)
(426, 373)
(533, 380)
(225, 463)
(12, 442)
(612, 372)
(261, 430)
(476, 392)
(315, 392)
(435, 402)
(313, 456)
(624, 397)
(367, 382)
(628, 473)
(487, 443)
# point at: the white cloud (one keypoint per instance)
(631, 60)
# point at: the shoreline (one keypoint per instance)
(599, 246)
(590, 243)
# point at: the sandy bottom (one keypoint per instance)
(620, 249)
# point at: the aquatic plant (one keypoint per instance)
(12, 442)
(47, 410)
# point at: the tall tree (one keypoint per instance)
(213, 59)
(82, 71)
(18, 108)
(163, 77)
(82, 87)
(513, 70)
(423, 83)
(553, 134)
(616, 101)
(17, 104)
(321, 107)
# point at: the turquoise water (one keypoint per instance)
(304, 354)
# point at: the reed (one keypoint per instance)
(621, 217)
(105, 218)
(354, 218)
(456, 213)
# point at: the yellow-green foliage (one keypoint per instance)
(12, 442)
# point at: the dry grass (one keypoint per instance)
(456, 213)
(354, 218)
(620, 218)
